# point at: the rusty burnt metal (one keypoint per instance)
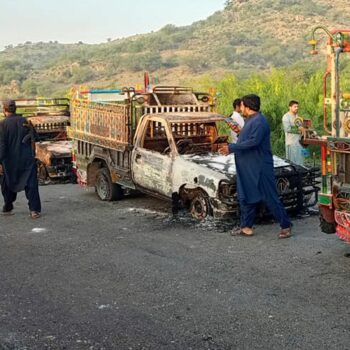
(48, 124)
(164, 142)
(47, 151)
(50, 117)
(56, 157)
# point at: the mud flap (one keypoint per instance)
(327, 213)
(327, 220)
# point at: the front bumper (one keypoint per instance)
(59, 171)
(224, 211)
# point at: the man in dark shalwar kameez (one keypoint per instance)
(254, 166)
(18, 161)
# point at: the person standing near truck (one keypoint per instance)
(18, 161)
(237, 119)
(254, 166)
(294, 150)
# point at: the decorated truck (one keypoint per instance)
(334, 197)
(163, 142)
(50, 117)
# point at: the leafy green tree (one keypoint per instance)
(46, 89)
(149, 61)
(276, 90)
(195, 63)
(30, 88)
(82, 75)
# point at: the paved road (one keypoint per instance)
(124, 275)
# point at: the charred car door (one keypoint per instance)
(151, 159)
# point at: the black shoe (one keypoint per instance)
(7, 208)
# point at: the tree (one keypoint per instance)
(82, 74)
(30, 87)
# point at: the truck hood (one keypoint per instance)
(225, 164)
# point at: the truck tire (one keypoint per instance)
(327, 227)
(105, 188)
(200, 206)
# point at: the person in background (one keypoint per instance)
(294, 150)
(18, 161)
(237, 119)
(254, 167)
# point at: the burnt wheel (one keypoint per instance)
(200, 206)
(105, 188)
(327, 227)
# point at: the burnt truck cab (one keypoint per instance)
(164, 143)
(175, 155)
(162, 160)
(50, 118)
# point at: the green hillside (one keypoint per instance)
(248, 36)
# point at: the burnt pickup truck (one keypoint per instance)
(164, 143)
(53, 151)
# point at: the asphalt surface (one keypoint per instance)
(125, 275)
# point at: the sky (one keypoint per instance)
(94, 21)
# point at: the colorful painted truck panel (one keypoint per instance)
(334, 197)
(164, 143)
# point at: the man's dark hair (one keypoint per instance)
(292, 102)
(9, 106)
(252, 101)
(236, 102)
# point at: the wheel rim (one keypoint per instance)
(102, 187)
(199, 208)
